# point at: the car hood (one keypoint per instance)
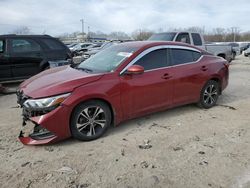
(56, 81)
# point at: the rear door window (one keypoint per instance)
(24, 45)
(196, 39)
(153, 60)
(183, 37)
(1, 46)
(53, 44)
(182, 56)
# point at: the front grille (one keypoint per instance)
(40, 133)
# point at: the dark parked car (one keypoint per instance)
(22, 56)
(121, 82)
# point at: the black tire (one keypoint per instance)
(234, 55)
(209, 94)
(88, 123)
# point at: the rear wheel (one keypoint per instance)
(90, 120)
(209, 94)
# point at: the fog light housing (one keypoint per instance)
(35, 131)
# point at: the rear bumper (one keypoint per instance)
(48, 128)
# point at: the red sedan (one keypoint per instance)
(124, 81)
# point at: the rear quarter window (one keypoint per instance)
(196, 55)
(53, 44)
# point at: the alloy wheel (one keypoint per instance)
(210, 94)
(91, 120)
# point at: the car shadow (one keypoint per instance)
(154, 117)
(129, 125)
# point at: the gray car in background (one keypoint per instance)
(247, 52)
(93, 51)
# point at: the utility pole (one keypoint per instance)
(82, 20)
(234, 31)
(88, 33)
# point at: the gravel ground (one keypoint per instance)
(182, 147)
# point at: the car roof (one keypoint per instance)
(178, 31)
(25, 36)
(149, 44)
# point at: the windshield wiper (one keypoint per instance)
(84, 69)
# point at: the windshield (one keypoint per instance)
(107, 44)
(77, 46)
(234, 44)
(162, 37)
(108, 59)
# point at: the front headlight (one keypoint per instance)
(45, 103)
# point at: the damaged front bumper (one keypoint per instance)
(33, 133)
(44, 127)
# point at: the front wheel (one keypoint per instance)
(90, 120)
(209, 94)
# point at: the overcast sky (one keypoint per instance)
(55, 17)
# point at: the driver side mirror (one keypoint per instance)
(135, 69)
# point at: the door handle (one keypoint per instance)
(204, 68)
(166, 76)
